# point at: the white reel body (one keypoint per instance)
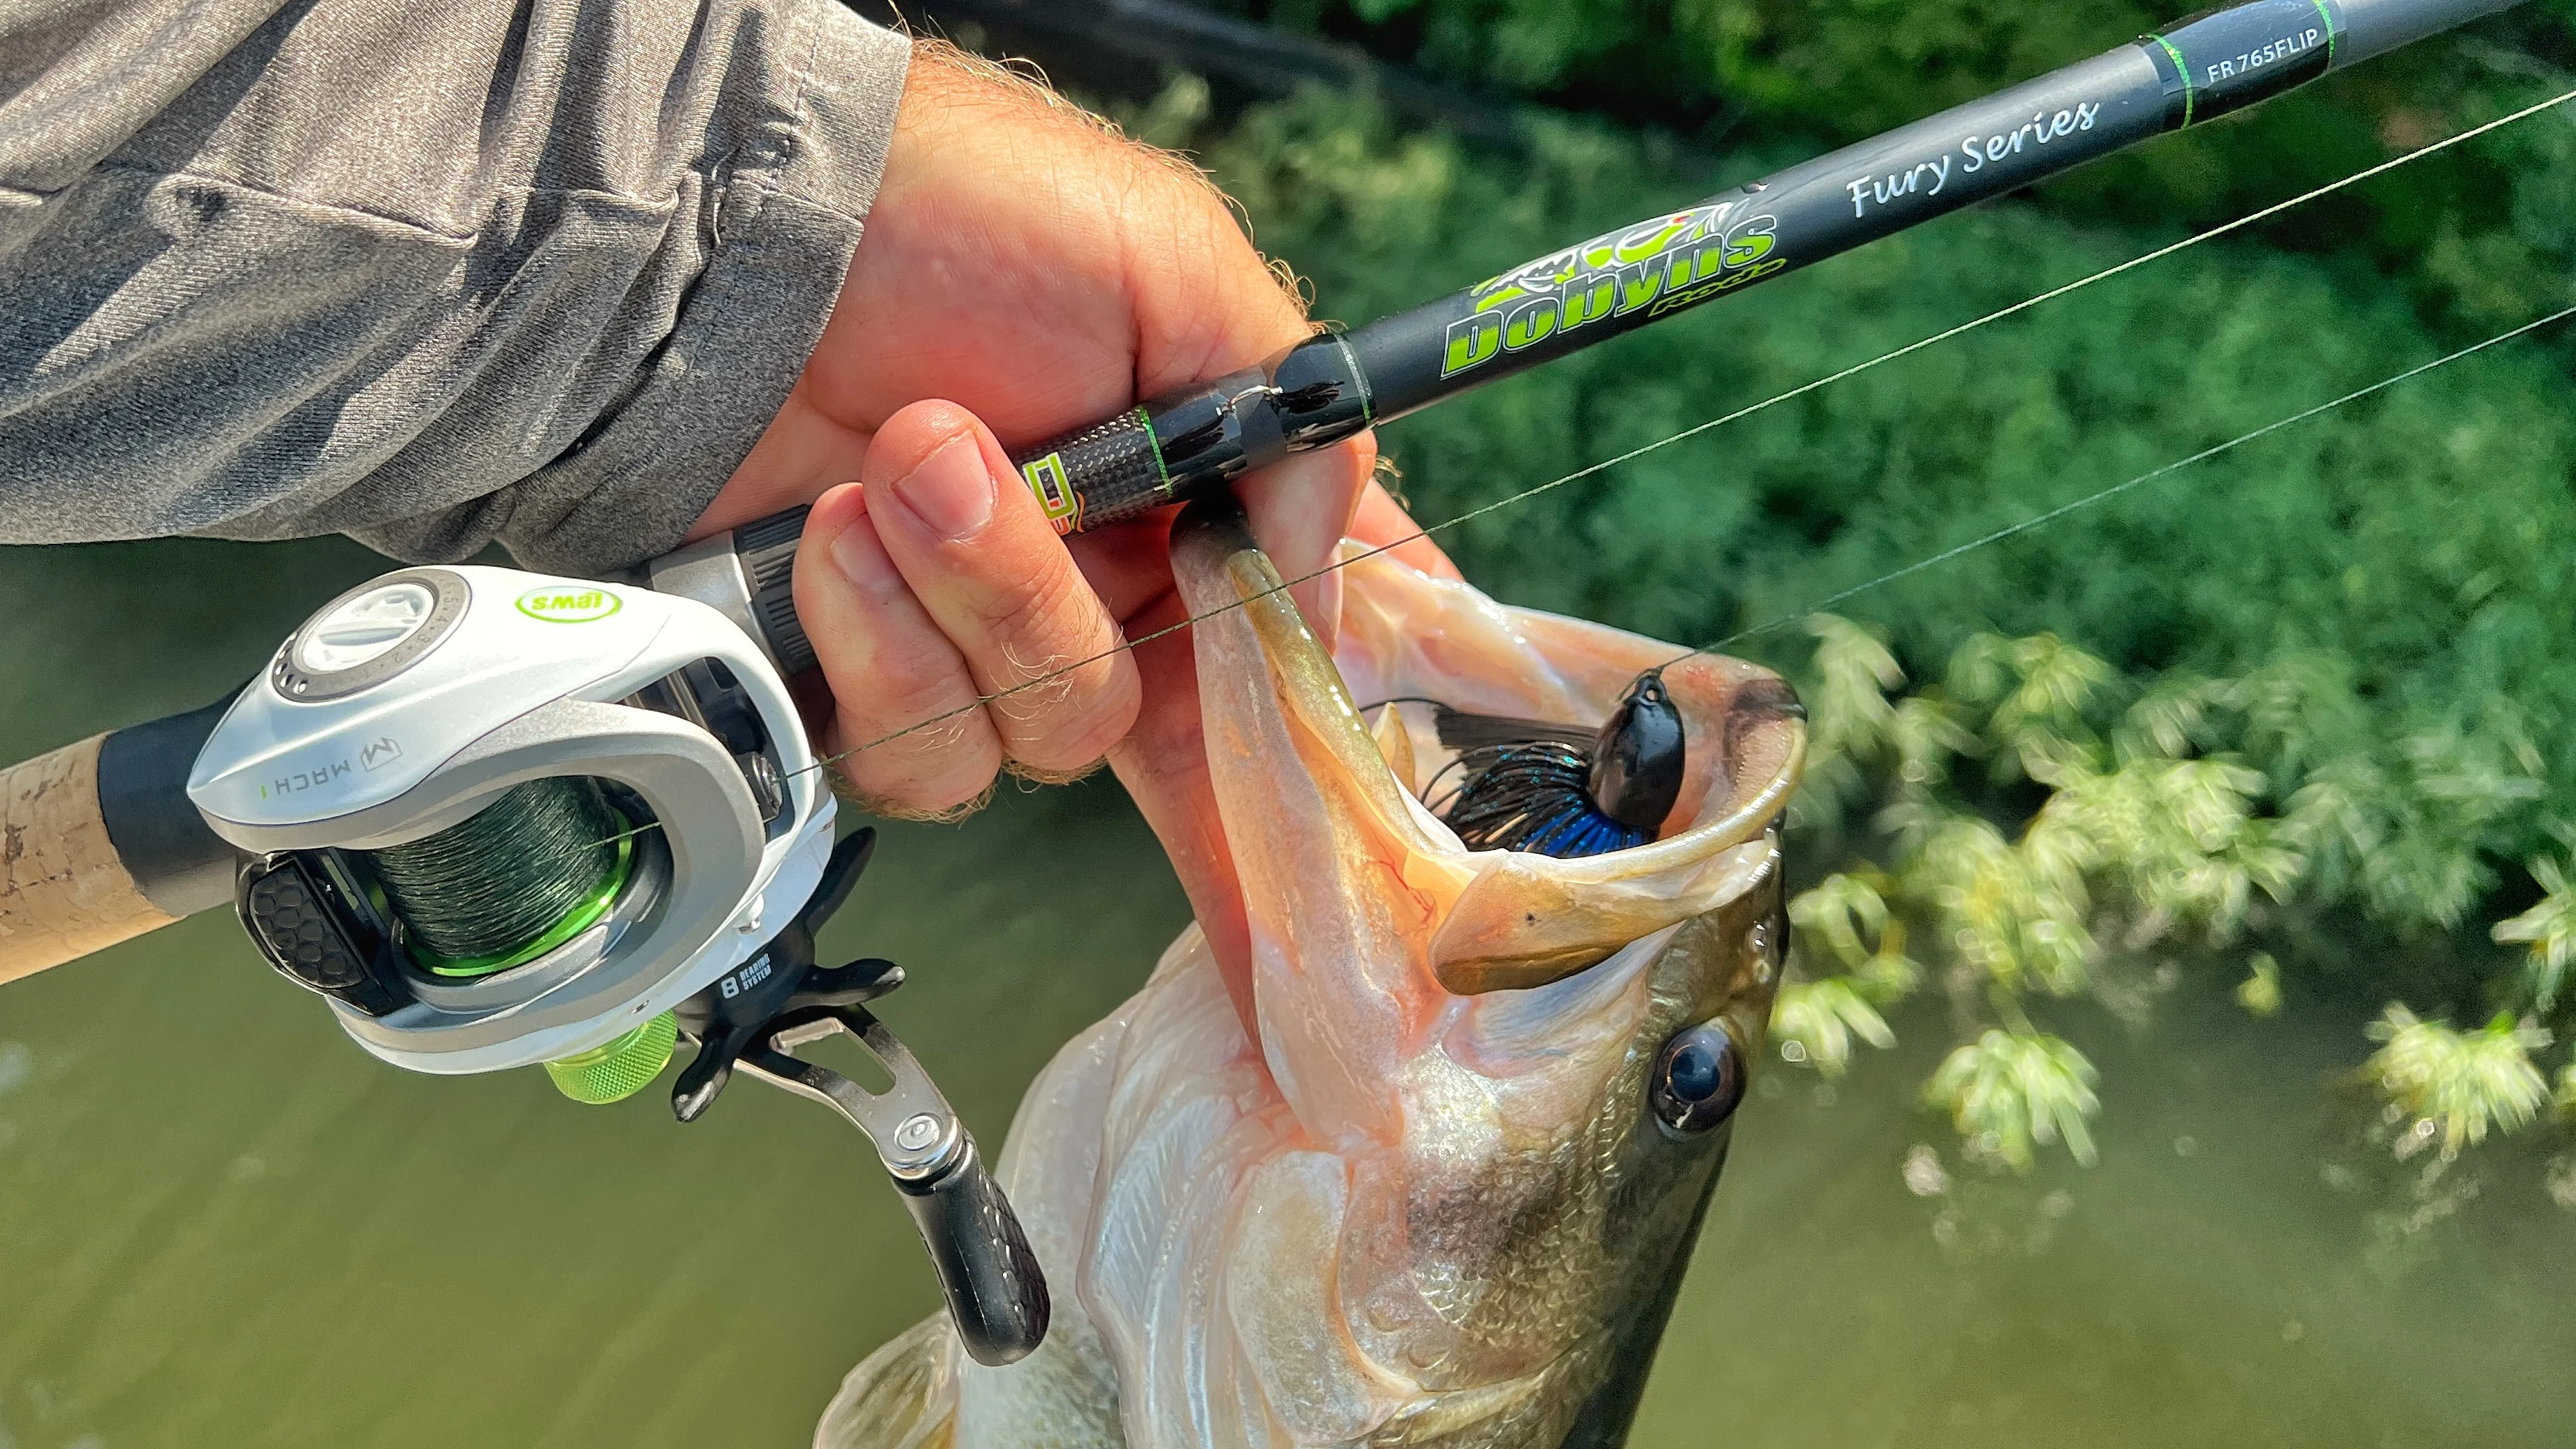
(406, 706)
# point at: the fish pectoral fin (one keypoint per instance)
(1281, 1293)
(1432, 1418)
(903, 1396)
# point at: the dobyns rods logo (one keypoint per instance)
(1650, 268)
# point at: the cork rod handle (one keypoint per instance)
(64, 891)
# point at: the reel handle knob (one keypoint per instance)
(997, 1295)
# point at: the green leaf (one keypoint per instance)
(2260, 991)
(2457, 1084)
(2040, 718)
(2170, 718)
(2015, 913)
(1814, 1022)
(2009, 1092)
(1889, 976)
(2549, 928)
(1847, 710)
(1837, 910)
(1923, 734)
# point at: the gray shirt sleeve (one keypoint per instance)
(435, 273)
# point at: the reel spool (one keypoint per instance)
(500, 819)
(523, 875)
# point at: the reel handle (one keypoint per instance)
(997, 1295)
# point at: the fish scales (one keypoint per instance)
(1426, 1201)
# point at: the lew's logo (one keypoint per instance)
(561, 605)
(380, 752)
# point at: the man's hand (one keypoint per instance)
(1023, 273)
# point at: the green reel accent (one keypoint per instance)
(539, 865)
(579, 919)
(616, 1070)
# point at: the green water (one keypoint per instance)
(221, 1225)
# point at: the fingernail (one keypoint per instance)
(862, 559)
(949, 491)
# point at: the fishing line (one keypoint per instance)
(2116, 489)
(1828, 601)
(1802, 390)
(1799, 391)
(2025, 526)
(512, 881)
(1965, 327)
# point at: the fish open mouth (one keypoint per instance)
(1434, 648)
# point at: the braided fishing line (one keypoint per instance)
(1803, 389)
(510, 881)
(1742, 413)
(2104, 495)
(1828, 601)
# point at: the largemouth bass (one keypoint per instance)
(1445, 1193)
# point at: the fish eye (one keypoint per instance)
(1699, 1079)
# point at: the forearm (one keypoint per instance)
(435, 275)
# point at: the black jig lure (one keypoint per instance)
(1560, 789)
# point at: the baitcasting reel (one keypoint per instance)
(498, 819)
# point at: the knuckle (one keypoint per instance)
(937, 772)
(929, 709)
(907, 688)
(902, 674)
(1069, 721)
(1023, 607)
(890, 699)
(1043, 640)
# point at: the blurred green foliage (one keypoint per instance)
(2291, 712)
(2010, 1091)
(2168, 819)
(2457, 1084)
(2549, 929)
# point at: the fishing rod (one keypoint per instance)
(497, 819)
(1336, 384)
